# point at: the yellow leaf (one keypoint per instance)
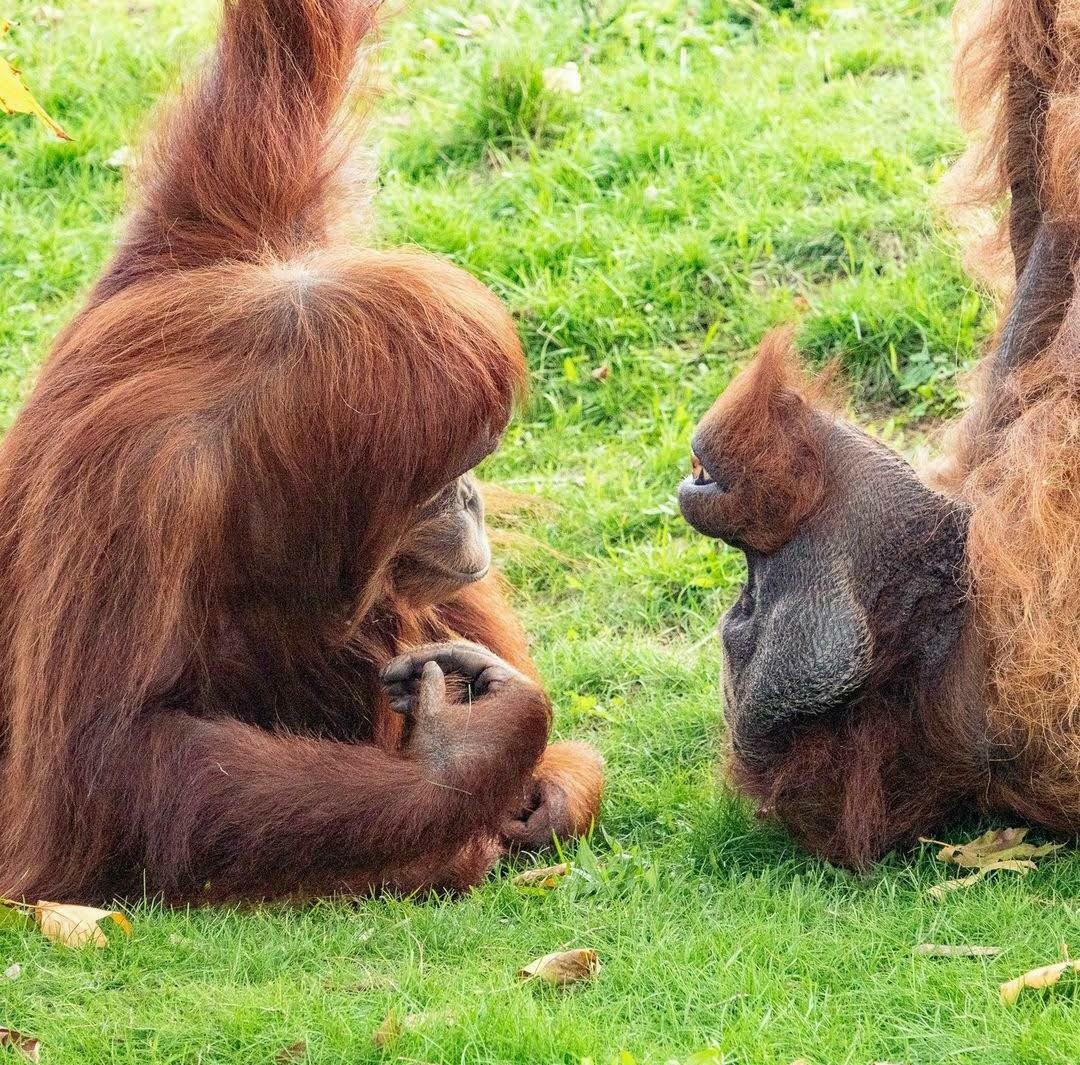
(939, 891)
(547, 877)
(1046, 976)
(75, 926)
(997, 845)
(27, 1047)
(563, 967)
(15, 97)
(387, 1033)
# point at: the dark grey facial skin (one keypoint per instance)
(447, 549)
(869, 592)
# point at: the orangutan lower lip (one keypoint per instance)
(470, 577)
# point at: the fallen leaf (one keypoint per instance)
(958, 950)
(13, 972)
(75, 926)
(27, 1047)
(15, 97)
(997, 845)
(1046, 976)
(293, 1052)
(566, 78)
(939, 891)
(563, 967)
(601, 373)
(389, 1031)
(46, 14)
(547, 877)
(394, 1024)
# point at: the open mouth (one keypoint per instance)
(700, 475)
(701, 481)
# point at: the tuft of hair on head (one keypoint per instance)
(767, 436)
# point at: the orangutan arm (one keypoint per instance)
(239, 807)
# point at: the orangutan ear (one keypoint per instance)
(802, 647)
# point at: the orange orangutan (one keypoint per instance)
(904, 652)
(237, 493)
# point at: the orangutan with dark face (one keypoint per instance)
(902, 652)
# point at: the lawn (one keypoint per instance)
(727, 165)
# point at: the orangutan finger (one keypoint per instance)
(407, 667)
(432, 696)
(468, 660)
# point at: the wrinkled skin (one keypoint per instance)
(868, 592)
(447, 549)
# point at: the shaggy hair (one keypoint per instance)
(200, 505)
(1000, 729)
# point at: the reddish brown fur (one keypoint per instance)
(199, 506)
(773, 467)
(1001, 730)
(880, 773)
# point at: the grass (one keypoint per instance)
(725, 167)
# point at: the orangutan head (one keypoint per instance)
(855, 570)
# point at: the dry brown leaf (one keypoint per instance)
(389, 1031)
(563, 967)
(958, 950)
(75, 926)
(1046, 976)
(997, 845)
(547, 877)
(939, 891)
(27, 1047)
(293, 1052)
(601, 373)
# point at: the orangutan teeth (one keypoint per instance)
(698, 471)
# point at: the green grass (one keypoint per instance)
(718, 172)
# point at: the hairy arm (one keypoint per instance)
(238, 807)
(251, 159)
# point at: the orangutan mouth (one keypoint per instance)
(701, 475)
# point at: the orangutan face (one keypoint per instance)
(447, 549)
